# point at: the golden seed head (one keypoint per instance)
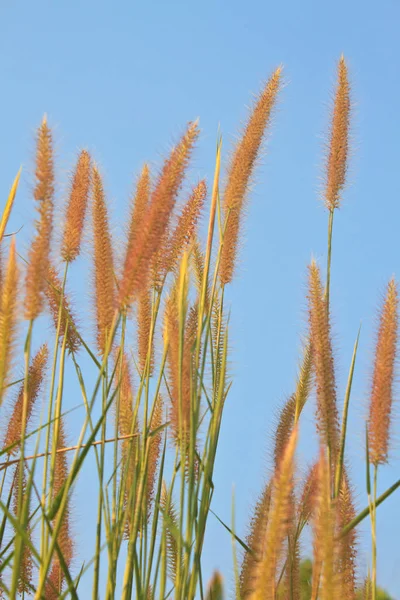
(337, 158)
(140, 252)
(185, 229)
(347, 545)
(27, 563)
(144, 324)
(36, 375)
(327, 414)
(279, 522)
(65, 540)
(140, 204)
(154, 450)
(68, 322)
(255, 540)
(240, 173)
(8, 317)
(76, 208)
(381, 399)
(40, 249)
(104, 281)
(180, 376)
(284, 428)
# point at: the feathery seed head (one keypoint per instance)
(154, 450)
(76, 208)
(54, 294)
(347, 545)
(140, 251)
(327, 414)
(381, 399)
(325, 577)
(40, 249)
(144, 324)
(44, 188)
(336, 163)
(284, 428)
(140, 205)
(279, 522)
(185, 229)
(26, 565)
(8, 317)
(255, 541)
(240, 172)
(103, 264)
(65, 541)
(36, 375)
(169, 510)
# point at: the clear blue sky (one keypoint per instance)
(122, 78)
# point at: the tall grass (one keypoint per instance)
(150, 419)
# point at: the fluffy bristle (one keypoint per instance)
(240, 172)
(336, 166)
(8, 317)
(26, 565)
(76, 208)
(127, 426)
(172, 528)
(144, 324)
(180, 375)
(139, 207)
(308, 496)
(65, 540)
(103, 264)
(325, 579)
(258, 526)
(40, 249)
(54, 294)
(347, 545)
(36, 374)
(185, 228)
(327, 414)
(154, 450)
(279, 520)
(383, 378)
(155, 222)
(284, 428)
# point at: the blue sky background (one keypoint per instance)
(123, 78)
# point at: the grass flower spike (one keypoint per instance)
(40, 249)
(327, 414)
(8, 318)
(76, 208)
(240, 172)
(103, 264)
(381, 400)
(144, 247)
(337, 159)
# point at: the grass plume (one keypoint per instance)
(37, 371)
(76, 208)
(381, 399)
(56, 295)
(103, 264)
(278, 525)
(8, 317)
(337, 158)
(328, 420)
(240, 172)
(141, 250)
(40, 249)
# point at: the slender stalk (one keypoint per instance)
(329, 258)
